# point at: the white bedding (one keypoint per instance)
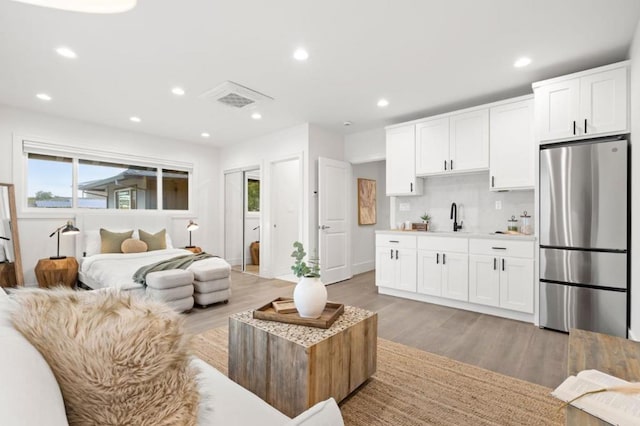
(114, 270)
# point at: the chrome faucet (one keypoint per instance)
(454, 215)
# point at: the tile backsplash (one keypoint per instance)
(476, 204)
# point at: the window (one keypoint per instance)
(102, 182)
(253, 195)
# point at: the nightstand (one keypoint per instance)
(7, 274)
(54, 272)
(194, 250)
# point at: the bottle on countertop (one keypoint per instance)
(525, 224)
(512, 224)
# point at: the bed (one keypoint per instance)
(204, 282)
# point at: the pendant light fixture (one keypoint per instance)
(86, 6)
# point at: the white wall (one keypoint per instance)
(634, 54)
(364, 147)
(35, 228)
(363, 237)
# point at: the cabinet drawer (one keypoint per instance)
(502, 248)
(453, 244)
(396, 241)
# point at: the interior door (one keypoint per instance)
(285, 198)
(334, 196)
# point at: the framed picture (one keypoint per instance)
(366, 201)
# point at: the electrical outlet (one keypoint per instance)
(499, 205)
(405, 207)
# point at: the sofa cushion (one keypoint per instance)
(117, 359)
(324, 413)
(29, 393)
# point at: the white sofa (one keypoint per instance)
(30, 395)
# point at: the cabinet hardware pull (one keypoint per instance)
(391, 254)
(493, 181)
(503, 264)
(444, 259)
(494, 263)
(498, 248)
(574, 127)
(397, 256)
(445, 164)
(451, 165)
(437, 258)
(411, 187)
(394, 241)
(585, 126)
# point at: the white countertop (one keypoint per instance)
(460, 234)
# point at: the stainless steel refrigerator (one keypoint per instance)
(584, 236)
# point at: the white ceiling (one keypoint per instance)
(423, 56)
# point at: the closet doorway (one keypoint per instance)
(242, 219)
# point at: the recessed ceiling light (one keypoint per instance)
(256, 116)
(66, 52)
(347, 123)
(135, 119)
(522, 62)
(383, 103)
(43, 97)
(205, 134)
(178, 91)
(301, 55)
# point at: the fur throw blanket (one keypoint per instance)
(119, 360)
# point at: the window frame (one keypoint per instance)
(23, 146)
(247, 177)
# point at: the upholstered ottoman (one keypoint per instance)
(211, 281)
(173, 287)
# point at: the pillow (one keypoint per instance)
(111, 242)
(25, 375)
(131, 245)
(119, 360)
(157, 241)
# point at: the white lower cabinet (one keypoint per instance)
(484, 280)
(516, 284)
(429, 273)
(455, 276)
(396, 262)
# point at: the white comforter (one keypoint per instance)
(115, 270)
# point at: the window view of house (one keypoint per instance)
(175, 190)
(49, 184)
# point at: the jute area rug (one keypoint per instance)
(413, 387)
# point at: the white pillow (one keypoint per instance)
(324, 413)
(26, 377)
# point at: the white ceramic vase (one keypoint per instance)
(310, 297)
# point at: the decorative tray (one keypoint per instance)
(331, 313)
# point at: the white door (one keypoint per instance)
(401, 162)
(603, 102)
(233, 219)
(429, 273)
(484, 280)
(455, 276)
(385, 267)
(512, 146)
(285, 189)
(557, 109)
(334, 200)
(516, 284)
(432, 146)
(469, 141)
(406, 269)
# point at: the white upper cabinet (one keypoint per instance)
(432, 146)
(469, 141)
(582, 105)
(512, 146)
(401, 165)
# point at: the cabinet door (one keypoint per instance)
(484, 280)
(385, 267)
(429, 272)
(512, 146)
(516, 284)
(432, 146)
(557, 107)
(401, 164)
(603, 102)
(469, 141)
(406, 270)
(455, 276)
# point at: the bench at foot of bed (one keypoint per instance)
(173, 287)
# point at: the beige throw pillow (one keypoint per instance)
(111, 242)
(119, 360)
(131, 245)
(157, 241)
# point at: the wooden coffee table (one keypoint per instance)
(292, 367)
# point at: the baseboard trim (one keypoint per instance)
(361, 267)
(632, 336)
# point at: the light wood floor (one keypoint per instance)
(509, 347)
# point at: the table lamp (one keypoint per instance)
(192, 226)
(67, 229)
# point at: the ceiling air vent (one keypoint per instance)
(234, 95)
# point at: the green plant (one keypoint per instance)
(300, 268)
(425, 217)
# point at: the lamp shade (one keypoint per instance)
(69, 229)
(86, 6)
(192, 226)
